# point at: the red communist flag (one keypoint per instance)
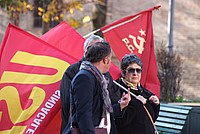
(30, 74)
(134, 34)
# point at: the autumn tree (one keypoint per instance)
(54, 11)
(15, 8)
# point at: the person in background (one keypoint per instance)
(136, 119)
(69, 74)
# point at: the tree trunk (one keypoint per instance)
(15, 18)
(99, 16)
(45, 27)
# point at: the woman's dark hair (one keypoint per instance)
(97, 52)
(129, 59)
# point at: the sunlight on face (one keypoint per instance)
(133, 73)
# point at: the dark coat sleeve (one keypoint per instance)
(69, 74)
(156, 111)
(130, 113)
(82, 93)
(156, 108)
(115, 96)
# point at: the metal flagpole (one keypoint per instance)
(124, 89)
(87, 35)
(170, 27)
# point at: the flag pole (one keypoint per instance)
(87, 35)
(97, 30)
(124, 88)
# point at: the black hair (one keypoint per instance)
(129, 59)
(97, 52)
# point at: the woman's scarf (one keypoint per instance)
(103, 82)
(129, 84)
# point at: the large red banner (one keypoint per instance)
(70, 42)
(30, 74)
(66, 39)
(134, 34)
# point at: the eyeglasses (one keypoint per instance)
(133, 70)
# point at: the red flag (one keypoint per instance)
(30, 74)
(134, 34)
(69, 41)
(66, 39)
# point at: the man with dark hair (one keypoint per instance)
(69, 74)
(90, 101)
(66, 83)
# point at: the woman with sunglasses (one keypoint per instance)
(136, 119)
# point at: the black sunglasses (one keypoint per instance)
(133, 70)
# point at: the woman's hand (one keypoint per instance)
(142, 99)
(154, 99)
(125, 99)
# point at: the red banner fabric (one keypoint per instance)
(66, 39)
(134, 34)
(30, 74)
(70, 42)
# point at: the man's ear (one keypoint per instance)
(105, 60)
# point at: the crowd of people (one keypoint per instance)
(90, 100)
